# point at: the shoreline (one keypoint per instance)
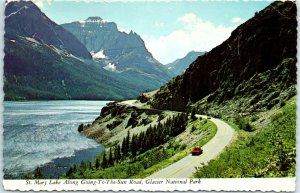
(58, 166)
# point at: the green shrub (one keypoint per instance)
(243, 123)
(183, 146)
(176, 145)
(193, 128)
(282, 103)
(270, 152)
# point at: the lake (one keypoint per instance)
(44, 133)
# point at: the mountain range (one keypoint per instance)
(180, 65)
(125, 52)
(43, 60)
(249, 81)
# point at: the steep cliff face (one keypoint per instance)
(125, 51)
(97, 34)
(262, 50)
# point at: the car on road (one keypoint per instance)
(197, 151)
(208, 117)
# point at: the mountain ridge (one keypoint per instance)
(180, 65)
(127, 51)
(44, 61)
(253, 48)
(41, 28)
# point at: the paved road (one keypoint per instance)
(185, 167)
(135, 103)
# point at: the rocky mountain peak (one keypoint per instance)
(94, 19)
(94, 23)
(25, 19)
(125, 52)
(13, 7)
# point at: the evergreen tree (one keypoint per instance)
(69, 172)
(75, 169)
(117, 153)
(104, 161)
(110, 158)
(124, 149)
(82, 165)
(128, 140)
(97, 164)
(133, 146)
(38, 173)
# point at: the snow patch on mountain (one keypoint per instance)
(98, 55)
(111, 67)
(94, 20)
(32, 40)
(14, 13)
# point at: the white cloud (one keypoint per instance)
(196, 34)
(237, 20)
(41, 3)
(189, 20)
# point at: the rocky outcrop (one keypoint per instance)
(117, 119)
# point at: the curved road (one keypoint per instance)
(185, 167)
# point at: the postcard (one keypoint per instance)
(168, 95)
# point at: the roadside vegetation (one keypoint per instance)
(201, 125)
(136, 152)
(141, 155)
(269, 151)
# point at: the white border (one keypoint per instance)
(212, 185)
(225, 184)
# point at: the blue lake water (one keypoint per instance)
(44, 133)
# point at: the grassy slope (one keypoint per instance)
(268, 152)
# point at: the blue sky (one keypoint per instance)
(169, 29)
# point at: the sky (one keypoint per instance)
(170, 28)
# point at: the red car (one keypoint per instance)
(197, 151)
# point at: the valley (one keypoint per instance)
(250, 93)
